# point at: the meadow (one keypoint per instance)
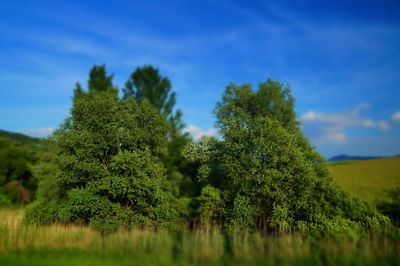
(59, 244)
(62, 244)
(367, 179)
(112, 186)
(69, 244)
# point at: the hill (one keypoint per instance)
(21, 138)
(367, 179)
(344, 157)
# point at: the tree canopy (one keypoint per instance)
(105, 169)
(115, 162)
(146, 83)
(268, 175)
(17, 184)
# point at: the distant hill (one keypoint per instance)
(344, 157)
(21, 138)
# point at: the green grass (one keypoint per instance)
(367, 179)
(60, 245)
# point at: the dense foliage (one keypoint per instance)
(20, 138)
(104, 168)
(264, 174)
(17, 184)
(391, 206)
(107, 166)
(146, 83)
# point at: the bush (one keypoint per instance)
(15, 171)
(42, 212)
(391, 207)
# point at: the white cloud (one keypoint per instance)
(396, 116)
(330, 127)
(383, 125)
(38, 132)
(197, 132)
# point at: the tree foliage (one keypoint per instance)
(19, 138)
(105, 168)
(146, 83)
(391, 205)
(107, 165)
(268, 174)
(17, 184)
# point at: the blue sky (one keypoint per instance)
(341, 59)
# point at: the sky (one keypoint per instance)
(340, 58)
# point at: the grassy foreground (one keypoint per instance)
(367, 179)
(79, 245)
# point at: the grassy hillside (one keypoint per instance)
(21, 138)
(367, 179)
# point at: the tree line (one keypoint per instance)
(118, 162)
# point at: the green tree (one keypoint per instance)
(268, 175)
(105, 169)
(98, 80)
(391, 205)
(17, 184)
(146, 83)
(272, 99)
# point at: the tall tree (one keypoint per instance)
(105, 170)
(98, 80)
(266, 173)
(146, 83)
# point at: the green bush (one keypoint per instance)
(5, 198)
(391, 206)
(16, 178)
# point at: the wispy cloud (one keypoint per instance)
(396, 116)
(197, 132)
(331, 127)
(38, 132)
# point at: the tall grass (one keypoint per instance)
(60, 244)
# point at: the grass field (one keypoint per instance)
(367, 179)
(59, 244)
(78, 245)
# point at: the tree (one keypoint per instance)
(98, 80)
(17, 184)
(105, 169)
(268, 175)
(272, 99)
(145, 83)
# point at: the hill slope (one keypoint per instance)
(21, 138)
(367, 179)
(344, 157)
